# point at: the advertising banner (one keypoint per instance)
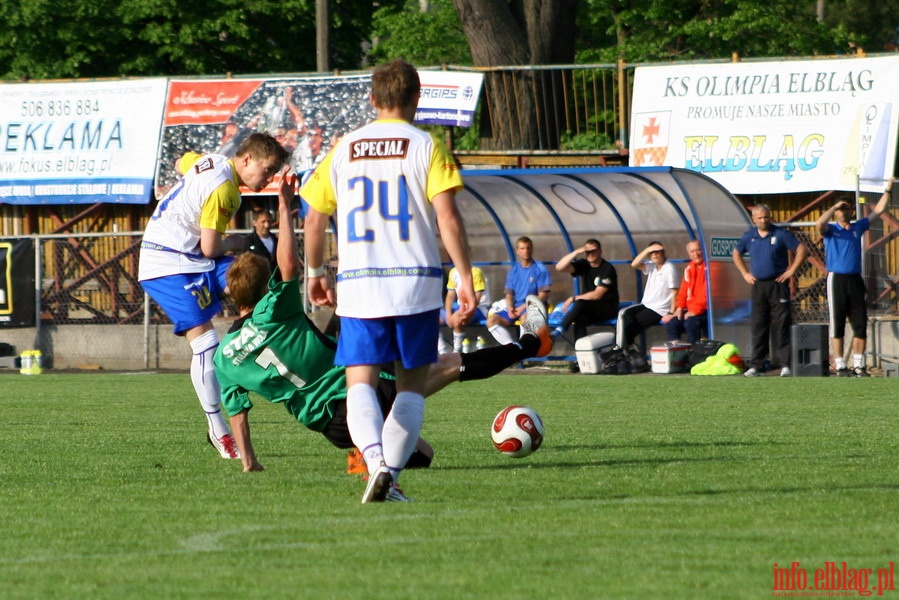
(448, 98)
(306, 114)
(17, 283)
(79, 142)
(771, 127)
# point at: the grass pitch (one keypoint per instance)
(649, 486)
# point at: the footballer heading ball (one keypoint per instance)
(517, 431)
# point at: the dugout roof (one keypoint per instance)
(626, 208)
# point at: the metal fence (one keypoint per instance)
(552, 108)
(87, 284)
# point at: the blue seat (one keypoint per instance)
(614, 322)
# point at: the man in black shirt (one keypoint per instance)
(598, 300)
(262, 241)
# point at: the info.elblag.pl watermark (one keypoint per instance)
(832, 580)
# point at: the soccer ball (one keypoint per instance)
(517, 431)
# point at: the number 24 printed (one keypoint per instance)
(369, 188)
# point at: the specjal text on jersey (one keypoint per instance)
(379, 149)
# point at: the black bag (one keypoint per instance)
(614, 362)
(637, 361)
(700, 351)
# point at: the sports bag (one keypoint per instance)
(700, 351)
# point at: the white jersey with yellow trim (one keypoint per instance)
(454, 282)
(378, 182)
(205, 198)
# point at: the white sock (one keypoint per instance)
(202, 375)
(458, 338)
(442, 346)
(500, 334)
(402, 428)
(858, 361)
(365, 422)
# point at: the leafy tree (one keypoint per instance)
(72, 38)
(400, 29)
(654, 30)
(872, 24)
(107, 38)
(520, 108)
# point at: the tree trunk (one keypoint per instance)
(520, 106)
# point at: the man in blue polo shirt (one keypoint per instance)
(845, 286)
(769, 275)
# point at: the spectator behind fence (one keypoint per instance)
(526, 277)
(659, 294)
(769, 274)
(845, 285)
(261, 240)
(692, 303)
(598, 300)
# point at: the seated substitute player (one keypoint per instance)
(275, 351)
(450, 309)
(183, 258)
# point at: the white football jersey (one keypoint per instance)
(205, 198)
(378, 182)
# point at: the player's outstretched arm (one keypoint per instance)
(240, 427)
(287, 252)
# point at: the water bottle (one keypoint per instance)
(466, 346)
(37, 362)
(26, 360)
(482, 343)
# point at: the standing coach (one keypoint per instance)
(769, 275)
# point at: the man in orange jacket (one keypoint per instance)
(692, 299)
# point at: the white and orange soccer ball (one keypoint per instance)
(517, 431)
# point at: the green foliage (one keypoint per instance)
(586, 141)
(107, 38)
(44, 39)
(70, 38)
(647, 486)
(423, 38)
(654, 30)
(872, 24)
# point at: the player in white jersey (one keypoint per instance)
(182, 257)
(389, 185)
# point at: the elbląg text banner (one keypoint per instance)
(80, 142)
(771, 127)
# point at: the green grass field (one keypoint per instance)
(647, 486)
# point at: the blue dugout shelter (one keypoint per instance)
(625, 208)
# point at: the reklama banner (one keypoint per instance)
(771, 127)
(79, 142)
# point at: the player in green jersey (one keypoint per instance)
(274, 350)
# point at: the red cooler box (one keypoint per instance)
(670, 358)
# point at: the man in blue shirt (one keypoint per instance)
(526, 277)
(769, 274)
(845, 285)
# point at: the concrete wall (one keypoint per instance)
(122, 347)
